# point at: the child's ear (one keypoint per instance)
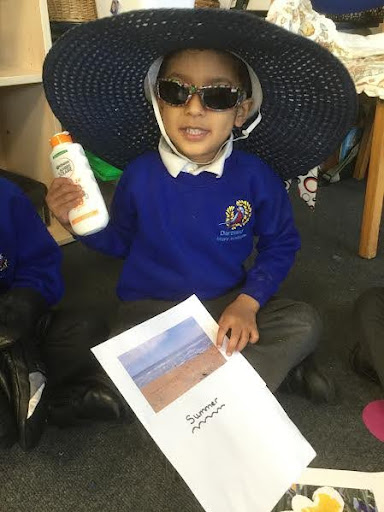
(160, 104)
(242, 112)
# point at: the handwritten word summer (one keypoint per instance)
(201, 417)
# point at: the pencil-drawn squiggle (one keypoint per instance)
(209, 416)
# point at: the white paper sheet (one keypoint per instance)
(212, 416)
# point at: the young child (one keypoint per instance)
(34, 340)
(184, 217)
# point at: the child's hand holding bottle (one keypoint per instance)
(74, 196)
(63, 196)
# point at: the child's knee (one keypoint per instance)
(91, 329)
(370, 301)
(309, 324)
(76, 328)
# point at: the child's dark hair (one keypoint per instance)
(240, 67)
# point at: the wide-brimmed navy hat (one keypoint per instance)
(94, 82)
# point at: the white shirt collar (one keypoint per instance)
(175, 163)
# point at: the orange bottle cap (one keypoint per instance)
(60, 138)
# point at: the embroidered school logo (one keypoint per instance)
(3, 262)
(237, 216)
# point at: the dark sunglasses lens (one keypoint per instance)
(220, 98)
(173, 93)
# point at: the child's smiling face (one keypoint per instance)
(198, 133)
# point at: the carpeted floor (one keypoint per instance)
(117, 467)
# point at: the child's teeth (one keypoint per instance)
(194, 131)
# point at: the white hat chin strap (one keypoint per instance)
(247, 131)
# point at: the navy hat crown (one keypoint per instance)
(94, 82)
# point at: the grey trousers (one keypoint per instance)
(369, 323)
(289, 331)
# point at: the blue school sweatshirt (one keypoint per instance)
(192, 234)
(29, 257)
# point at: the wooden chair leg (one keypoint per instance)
(374, 194)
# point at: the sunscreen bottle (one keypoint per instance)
(68, 160)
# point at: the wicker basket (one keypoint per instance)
(72, 10)
(207, 3)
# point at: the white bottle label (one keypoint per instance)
(64, 166)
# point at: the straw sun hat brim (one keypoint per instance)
(93, 78)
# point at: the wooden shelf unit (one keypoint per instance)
(9, 78)
(26, 121)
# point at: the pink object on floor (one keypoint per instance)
(373, 417)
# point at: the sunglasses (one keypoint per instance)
(213, 97)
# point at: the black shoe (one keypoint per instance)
(22, 397)
(8, 430)
(308, 381)
(361, 366)
(84, 403)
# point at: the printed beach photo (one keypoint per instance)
(171, 363)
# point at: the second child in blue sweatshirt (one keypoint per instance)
(184, 220)
(38, 375)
